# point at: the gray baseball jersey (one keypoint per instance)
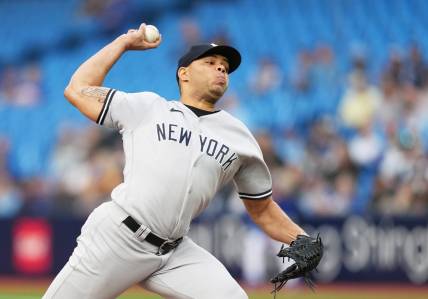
(176, 161)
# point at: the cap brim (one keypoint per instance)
(231, 54)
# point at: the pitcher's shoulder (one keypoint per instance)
(234, 121)
(147, 95)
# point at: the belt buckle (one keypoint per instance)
(167, 246)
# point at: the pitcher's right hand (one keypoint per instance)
(134, 39)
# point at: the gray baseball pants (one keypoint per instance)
(109, 259)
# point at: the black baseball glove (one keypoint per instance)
(306, 253)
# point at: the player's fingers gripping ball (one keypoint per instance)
(306, 253)
(151, 34)
(143, 38)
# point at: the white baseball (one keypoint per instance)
(151, 34)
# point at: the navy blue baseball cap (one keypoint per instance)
(199, 51)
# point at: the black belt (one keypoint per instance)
(165, 246)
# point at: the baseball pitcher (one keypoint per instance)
(177, 155)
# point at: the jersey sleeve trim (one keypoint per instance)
(106, 106)
(255, 196)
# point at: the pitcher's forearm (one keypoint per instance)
(280, 227)
(276, 223)
(94, 70)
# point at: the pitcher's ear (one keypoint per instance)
(183, 74)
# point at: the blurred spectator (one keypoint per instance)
(361, 102)
(21, 86)
(414, 110)
(29, 90)
(301, 75)
(70, 172)
(343, 194)
(403, 181)
(397, 161)
(323, 198)
(4, 153)
(359, 62)
(86, 166)
(365, 151)
(324, 70)
(415, 69)
(394, 70)
(111, 14)
(8, 80)
(267, 76)
(327, 153)
(94, 7)
(328, 183)
(266, 145)
(35, 197)
(291, 148)
(391, 105)
(366, 147)
(105, 174)
(190, 32)
(10, 197)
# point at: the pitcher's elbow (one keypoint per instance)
(70, 94)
